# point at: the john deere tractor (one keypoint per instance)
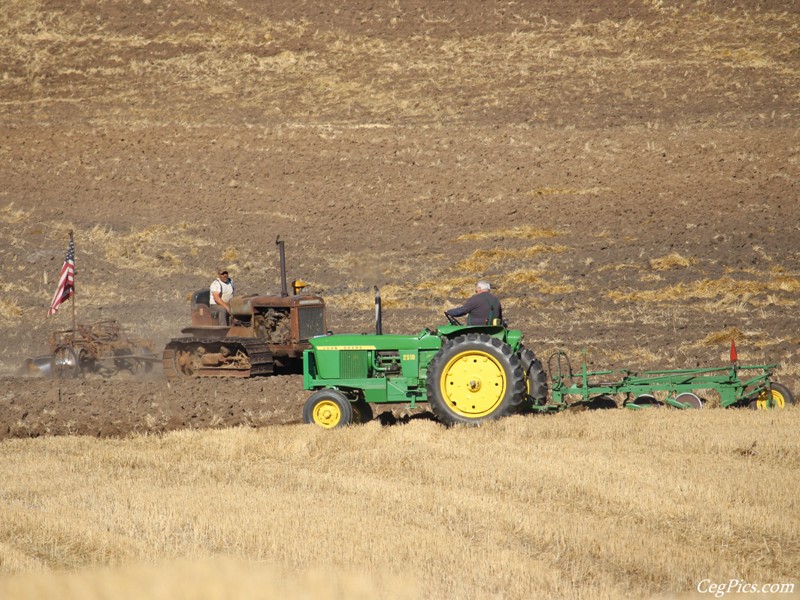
(467, 374)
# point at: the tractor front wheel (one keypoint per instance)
(328, 409)
(474, 378)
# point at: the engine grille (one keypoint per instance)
(312, 321)
(353, 364)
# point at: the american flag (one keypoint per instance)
(66, 283)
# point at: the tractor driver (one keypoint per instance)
(221, 293)
(482, 308)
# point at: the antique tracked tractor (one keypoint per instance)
(266, 332)
(467, 374)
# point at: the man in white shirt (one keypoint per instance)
(221, 293)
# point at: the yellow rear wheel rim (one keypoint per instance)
(473, 384)
(327, 414)
(763, 400)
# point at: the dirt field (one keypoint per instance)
(626, 175)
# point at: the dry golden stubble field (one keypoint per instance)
(610, 504)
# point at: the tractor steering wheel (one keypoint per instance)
(452, 319)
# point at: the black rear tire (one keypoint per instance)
(362, 412)
(535, 377)
(474, 378)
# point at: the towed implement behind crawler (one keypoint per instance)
(104, 348)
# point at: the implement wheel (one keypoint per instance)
(690, 400)
(600, 402)
(328, 409)
(64, 363)
(474, 378)
(646, 401)
(778, 398)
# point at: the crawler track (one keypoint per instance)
(181, 358)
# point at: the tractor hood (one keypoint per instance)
(425, 340)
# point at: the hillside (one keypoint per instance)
(625, 176)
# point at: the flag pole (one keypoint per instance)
(74, 327)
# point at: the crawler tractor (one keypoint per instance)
(467, 374)
(266, 332)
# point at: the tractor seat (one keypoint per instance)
(203, 313)
(201, 297)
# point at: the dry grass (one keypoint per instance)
(209, 579)
(572, 506)
(463, 284)
(392, 296)
(724, 290)
(143, 249)
(635, 356)
(623, 266)
(787, 369)
(8, 214)
(155, 247)
(490, 261)
(230, 254)
(10, 309)
(524, 232)
(549, 191)
(600, 505)
(725, 336)
(671, 261)
(536, 281)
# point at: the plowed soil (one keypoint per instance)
(625, 175)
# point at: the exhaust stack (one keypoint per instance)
(284, 288)
(378, 312)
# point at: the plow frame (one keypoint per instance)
(736, 384)
(102, 344)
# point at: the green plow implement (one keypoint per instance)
(735, 385)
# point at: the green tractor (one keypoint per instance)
(467, 374)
